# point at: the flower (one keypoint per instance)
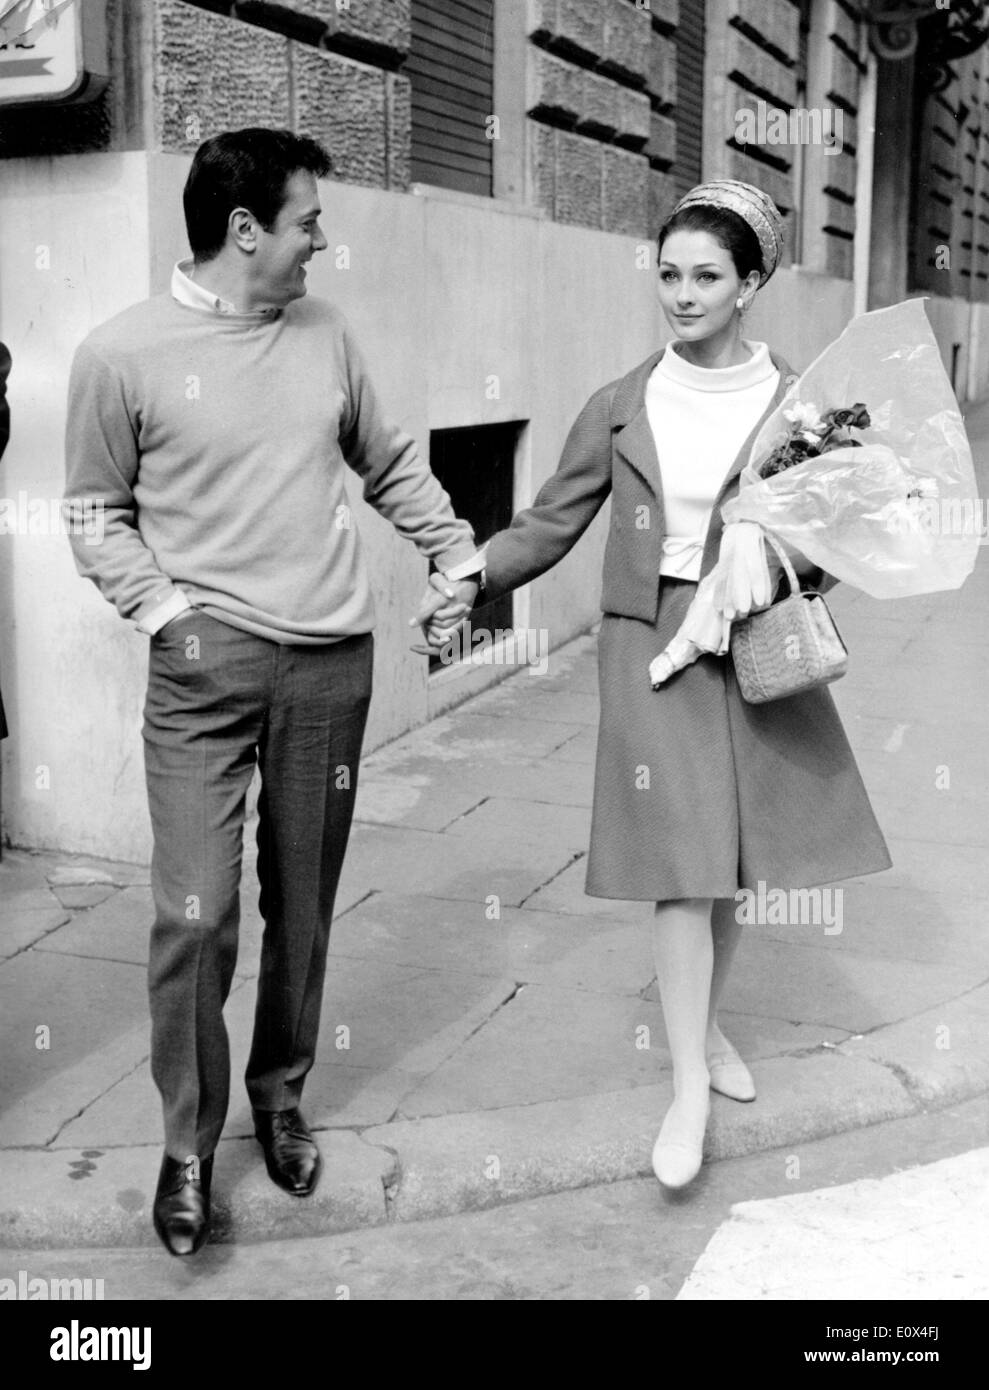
(805, 415)
(854, 417)
(812, 434)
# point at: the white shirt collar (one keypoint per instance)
(195, 296)
(758, 368)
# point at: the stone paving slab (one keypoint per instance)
(85, 1005)
(510, 867)
(581, 747)
(906, 792)
(413, 800)
(28, 926)
(464, 736)
(64, 1101)
(383, 1027)
(595, 953)
(565, 894)
(116, 929)
(906, 924)
(546, 1044)
(549, 1043)
(565, 827)
(851, 990)
(410, 791)
(932, 867)
(938, 1054)
(515, 700)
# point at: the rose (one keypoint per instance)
(855, 417)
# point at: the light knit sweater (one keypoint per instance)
(700, 417)
(217, 444)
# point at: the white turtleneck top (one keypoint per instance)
(700, 418)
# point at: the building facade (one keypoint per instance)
(500, 170)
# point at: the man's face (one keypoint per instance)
(279, 262)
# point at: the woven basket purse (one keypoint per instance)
(788, 648)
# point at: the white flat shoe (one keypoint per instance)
(679, 1148)
(729, 1075)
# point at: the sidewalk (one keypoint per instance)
(489, 1032)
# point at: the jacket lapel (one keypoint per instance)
(712, 541)
(633, 438)
(742, 457)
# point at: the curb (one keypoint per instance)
(411, 1170)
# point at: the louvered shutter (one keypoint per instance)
(451, 65)
(690, 96)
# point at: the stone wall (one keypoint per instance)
(834, 77)
(599, 92)
(601, 86)
(950, 242)
(185, 71)
(774, 103)
(750, 68)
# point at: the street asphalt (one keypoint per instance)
(490, 1033)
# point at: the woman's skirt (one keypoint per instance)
(698, 794)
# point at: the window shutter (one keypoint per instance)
(451, 66)
(690, 96)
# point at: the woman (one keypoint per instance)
(697, 794)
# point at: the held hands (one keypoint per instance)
(443, 607)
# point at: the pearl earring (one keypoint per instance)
(739, 303)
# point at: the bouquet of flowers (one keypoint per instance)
(858, 509)
(812, 435)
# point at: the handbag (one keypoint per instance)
(790, 647)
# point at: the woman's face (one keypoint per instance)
(699, 285)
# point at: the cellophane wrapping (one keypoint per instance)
(851, 511)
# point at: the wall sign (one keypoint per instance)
(52, 51)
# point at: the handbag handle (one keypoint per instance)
(788, 570)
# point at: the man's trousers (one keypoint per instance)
(220, 701)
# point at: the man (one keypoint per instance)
(213, 424)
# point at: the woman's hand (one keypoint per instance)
(443, 607)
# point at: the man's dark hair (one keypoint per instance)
(243, 168)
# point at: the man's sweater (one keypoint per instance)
(216, 444)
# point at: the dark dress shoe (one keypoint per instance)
(290, 1153)
(181, 1209)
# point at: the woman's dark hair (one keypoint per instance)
(243, 168)
(728, 229)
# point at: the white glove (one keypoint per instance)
(745, 582)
